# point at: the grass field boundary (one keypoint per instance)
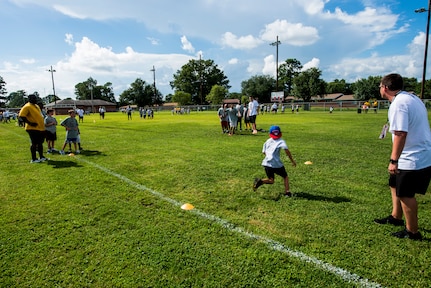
(271, 244)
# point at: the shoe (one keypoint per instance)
(35, 161)
(49, 151)
(61, 152)
(254, 132)
(257, 182)
(287, 194)
(77, 152)
(407, 234)
(43, 159)
(390, 220)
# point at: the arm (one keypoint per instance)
(25, 120)
(290, 157)
(397, 147)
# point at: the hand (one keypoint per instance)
(393, 168)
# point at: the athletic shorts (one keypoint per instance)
(71, 140)
(36, 136)
(51, 136)
(270, 172)
(252, 119)
(411, 182)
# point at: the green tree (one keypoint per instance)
(217, 94)
(339, 86)
(16, 99)
(182, 98)
(139, 93)
(365, 89)
(308, 84)
(87, 90)
(287, 72)
(2, 92)
(197, 77)
(107, 92)
(259, 86)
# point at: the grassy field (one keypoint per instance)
(112, 217)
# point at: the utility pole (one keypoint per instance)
(276, 43)
(154, 82)
(421, 10)
(53, 86)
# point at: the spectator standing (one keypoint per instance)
(80, 112)
(51, 130)
(31, 115)
(233, 119)
(72, 131)
(410, 161)
(253, 107)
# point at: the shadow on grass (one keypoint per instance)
(309, 196)
(63, 164)
(91, 153)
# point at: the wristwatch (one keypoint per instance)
(392, 161)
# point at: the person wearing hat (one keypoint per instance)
(31, 115)
(272, 162)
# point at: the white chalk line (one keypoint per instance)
(272, 244)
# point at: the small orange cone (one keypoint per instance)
(187, 206)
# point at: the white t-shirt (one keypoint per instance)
(408, 113)
(272, 149)
(252, 107)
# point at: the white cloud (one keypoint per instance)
(244, 42)
(313, 63)
(292, 33)
(187, 46)
(68, 39)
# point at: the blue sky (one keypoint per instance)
(120, 41)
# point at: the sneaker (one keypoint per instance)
(43, 159)
(390, 220)
(287, 194)
(77, 152)
(254, 132)
(62, 152)
(35, 161)
(49, 151)
(257, 182)
(407, 234)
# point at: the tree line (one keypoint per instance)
(202, 82)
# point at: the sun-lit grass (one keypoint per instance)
(106, 218)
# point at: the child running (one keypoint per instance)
(272, 162)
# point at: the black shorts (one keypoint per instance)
(51, 136)
(252, 119)
(411, 182)
(36, 136)
(270, 172)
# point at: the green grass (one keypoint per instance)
(110, 217)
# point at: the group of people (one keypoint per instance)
(40, 126)
(231, 116)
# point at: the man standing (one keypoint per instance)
(410, 161)
(253, 107)
(32, 115)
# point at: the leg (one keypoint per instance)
(397, 211)
(286, 184)
(410, 209)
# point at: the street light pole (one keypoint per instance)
(421, 10)
(53, 86)
(276, 43)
